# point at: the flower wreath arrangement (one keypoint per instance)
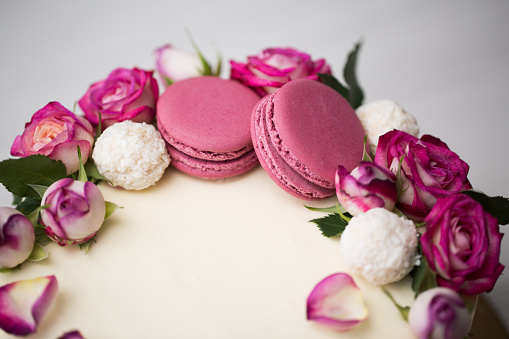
(409, 192)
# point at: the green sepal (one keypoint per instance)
(219, 65)
(17, 174)
(496, 206)
(8, 270)
(355, 94)
(38, 253)
(206, 68)
(331, 225)
(403, 310)
(99, 127)
(92, 172)
(34, 216)
(422, 277)
(40, 189)
(168, 80)
(41, 237)
(331, 209)
(110, 208)
(85, 247)
(28, 205)
(365, 155)
(334, 83)
(82, 174)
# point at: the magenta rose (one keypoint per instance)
(56, 132)
(462, 245)
(127, 94)
(367, 186)
(75, 212)
(274, 67)
(429, 170)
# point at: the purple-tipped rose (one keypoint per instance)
(16, 237)
(56, 132)
(23, 304)
(439, 313)
(127, 94)
(274, 67)
(429, 170)
(174, 65)
(462, 245)
(75, 211)
(367, 186)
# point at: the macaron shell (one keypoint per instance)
(208, 169)
(207, 117)
(278, 169)
(315, 129)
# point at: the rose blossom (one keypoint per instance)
(274, 67)
(16, 237)
(56, 132)
(127, 94)
(75, 211)
(174, 65)
(462, 245)
(367, 186)
(429, 170)
(439, 313)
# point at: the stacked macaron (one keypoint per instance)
(206, 124)
(301, 133)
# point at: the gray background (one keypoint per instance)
(445, 62)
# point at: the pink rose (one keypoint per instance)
(124, 95)
(75, 212)
(174, 65)
(56, 132)
(274, 67)
(367, 186)
(429, 170)
(439, 313)
(462, 245)
(16, 237)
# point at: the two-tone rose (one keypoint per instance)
(16, 237)
(273, 67)
(426, 167)
(462, 245)
(56, 132)
(126, 94)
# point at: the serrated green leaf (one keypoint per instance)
(403, 310)
(496, 206)
(16, 174)
(355, 94)
(82, 174)
(85, 247)
(38, 253)
(330, 225)
(422, 277)
(334, 83)
(110, 208)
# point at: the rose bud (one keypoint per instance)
(439, 313)
(23, 304)
(174, 65)
(56, 132)
(75, 211)
(462, 245)
(16, 237)
(127, 94)
(367, 186)
(337, 302)
(428, 169)
(274, 67)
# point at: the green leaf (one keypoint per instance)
(85, 247)
(330, 225)
(99, 128)
(34, 216)
(355, 95)
(17, 174)
(403, 310)
(423, 277)
(28, 205)
(82, 174)
(365, 155)
(8, 270)
(496, 206)
(38, 253)
(168, 80)
(332, 209)
(93, 172)
(41, 237)
(110, 208)
(334, 83)
(40, 189)
(219, 65)
(206, 68)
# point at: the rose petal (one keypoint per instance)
(24, 303)
(337, 302)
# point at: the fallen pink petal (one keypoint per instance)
(24, 303)
(337, 302)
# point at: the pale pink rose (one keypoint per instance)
(75, 212)
(16, 237)
(173, 64)
(56, 132)
(274, 67)
(126, 94)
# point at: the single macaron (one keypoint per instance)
(206, 123)
(302, 132)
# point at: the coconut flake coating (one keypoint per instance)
(380, 246)
(382, 116)
(131, 155)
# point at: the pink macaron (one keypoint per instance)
(206, 123)
(301, 133)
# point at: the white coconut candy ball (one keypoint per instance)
(380, 246)
(131, 155)
(382, 116)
